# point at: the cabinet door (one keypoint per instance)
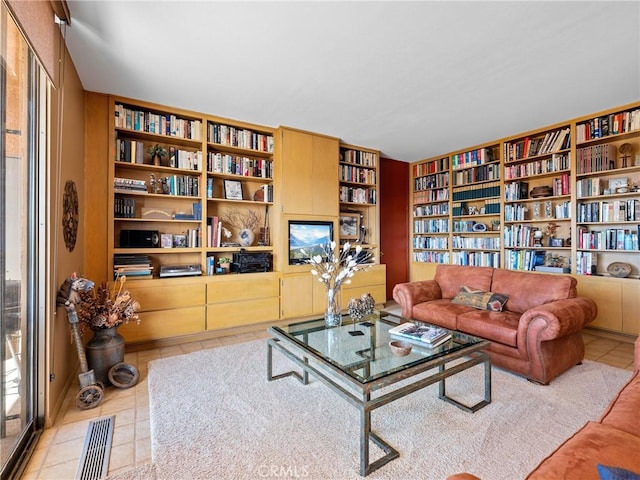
(296, 296)
(309, 173)
(608, 296)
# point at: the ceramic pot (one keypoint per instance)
(246, 237)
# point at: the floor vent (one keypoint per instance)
(94, 461)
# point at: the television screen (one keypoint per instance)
(306, 238)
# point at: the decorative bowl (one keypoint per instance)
(619, 269)
(400, 348)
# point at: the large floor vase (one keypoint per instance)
(103, 351)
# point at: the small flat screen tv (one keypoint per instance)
(306, 239)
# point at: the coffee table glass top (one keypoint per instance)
(367, 357)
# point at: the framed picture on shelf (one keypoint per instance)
(556, 242)
(180, 241)
(232, 190)
(349, 226)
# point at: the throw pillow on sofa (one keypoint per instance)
(480, 299)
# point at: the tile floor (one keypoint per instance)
(60, 447)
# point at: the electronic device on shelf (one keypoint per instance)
(180, 270)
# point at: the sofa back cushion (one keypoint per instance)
(527, 290)
(452, 277)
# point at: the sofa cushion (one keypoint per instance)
(480, 299)
(623, 412)
(593, 444)
(440, 312)
(452, 277)
(527, 290)
(501, 327)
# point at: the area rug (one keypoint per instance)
(215, 415)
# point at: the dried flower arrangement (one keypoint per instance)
(248, 219)
(99, 308)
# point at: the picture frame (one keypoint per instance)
(233, 190)
(349, 226)
(556, 242)
(180, 241)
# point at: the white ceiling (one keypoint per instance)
(412, 79)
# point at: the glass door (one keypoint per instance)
(21, 180)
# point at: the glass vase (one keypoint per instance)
(333, 313)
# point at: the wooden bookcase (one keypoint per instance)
(576, 182)
(475, 207)
(359, 218)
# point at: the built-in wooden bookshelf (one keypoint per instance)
(358, 185)
(561, 198)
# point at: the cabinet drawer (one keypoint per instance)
(165, 324)
(378, 292)
(375, 275)
(231, 288)
(234, 314)
(160, 297)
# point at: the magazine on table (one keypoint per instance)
(428, 335)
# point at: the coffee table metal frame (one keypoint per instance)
(359, 394)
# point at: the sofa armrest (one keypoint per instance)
(637, 353)
(560, 318)
(412, 293)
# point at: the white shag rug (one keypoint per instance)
(214, 415)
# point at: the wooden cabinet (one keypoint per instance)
(308, 173)
(372, 280)
(235, 300)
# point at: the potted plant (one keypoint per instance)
(157, 152)
(224, 264)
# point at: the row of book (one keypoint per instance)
(587, 263)
(491, 189)
(435, 243)
(477, 259)
(138, 266)
(185, 185)
(519, 235)
(427, 196)
(557, 163)
(358, 157)
(516, 191)
(349, 173)
(145, 121)
(477, 243)
(596, 158)
(526, 260)
(367, 196)
(561, 185)
(431, 257)
(613, 211)
(609, 239)
(124, 207)
(437, 180)
(543, 145)
(477, 174)
(435, 209)
(239, 137)
(129, 184)
(491, 206)
(471, 158)
(434, 166)
(606, 125)
(239, 165)
(464, 226)
(431, 226)
(589, 187)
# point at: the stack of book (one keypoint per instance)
(135, 266)
(427, 335)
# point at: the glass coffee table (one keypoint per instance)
(355, 361)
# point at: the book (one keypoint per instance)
(428, 335)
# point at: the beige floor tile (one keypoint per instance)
(64, 452)
(212, 343)
(191, 347)
(122, 456)
(71, 431)
(614, 362)
(143, 429)
(61, 471)
(143, 451)
(124, 435)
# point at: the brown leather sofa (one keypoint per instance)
(538, 332)
(614, 441)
